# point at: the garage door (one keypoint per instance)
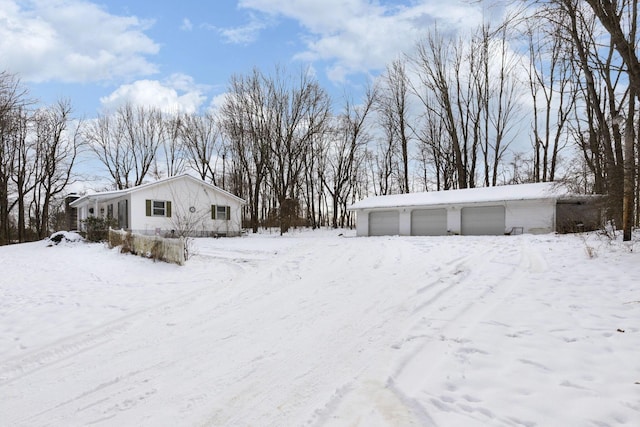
(384, 223)
(483, 220)
(429, 222)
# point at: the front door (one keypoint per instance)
(123, 214)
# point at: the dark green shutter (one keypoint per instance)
(148, 203)
(228, 213)
(213, 211)
(168, 208)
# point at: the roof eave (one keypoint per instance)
(452, 202)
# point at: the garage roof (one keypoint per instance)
(542, 190)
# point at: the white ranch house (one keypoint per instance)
(180, 205)
(508, 209)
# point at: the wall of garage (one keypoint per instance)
(510, 217)
(536, 217)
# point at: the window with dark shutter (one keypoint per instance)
(220, 213)
(158, 208)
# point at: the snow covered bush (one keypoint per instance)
(64, 236)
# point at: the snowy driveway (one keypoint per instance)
(319, 329)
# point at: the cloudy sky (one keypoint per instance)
(181, 54)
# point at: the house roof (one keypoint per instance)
(107, 195)
(536, 191)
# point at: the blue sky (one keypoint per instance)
(181, 54)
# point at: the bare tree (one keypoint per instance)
(435, 155)
(202, 135)
(126, 143)
(56, 150)
(553, 94)
(105, 137)
(393, 107)
(502, 108)
(271, 123)
(601, 37)
(315, 170)
(23, 168)
(468, 89)
(300, 112)
(434, 66)
(172, 145)
(245, 121)
(143, 129)
(13, 100)
(599, 90)
(620, 19)
(345, 154)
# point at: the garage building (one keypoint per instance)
(508, 209)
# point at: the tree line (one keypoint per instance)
(37, 152)
(549, 94)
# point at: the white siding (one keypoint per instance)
(529, 216)
(184, 194)
(534, 216)
(362, 223)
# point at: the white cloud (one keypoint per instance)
(179, 93)
(72, 41)
(357, 36)
(186, 25)
(217, 102)
(245, 34)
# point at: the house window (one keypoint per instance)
(220, 213)
(158, 208)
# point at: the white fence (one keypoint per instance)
(154, 247)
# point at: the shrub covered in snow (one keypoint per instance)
(64, 236)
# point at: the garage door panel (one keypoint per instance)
(384, 223)
(483, 220)
(429, 222)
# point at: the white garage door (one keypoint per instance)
(483, 220)
(429, 222)
(384, 223)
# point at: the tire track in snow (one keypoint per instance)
(113, 395)
(123, 388)
(66, 348)
(369, 389)
(334, 334)
(434, 340)
(460, 290)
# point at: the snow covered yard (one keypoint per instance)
(320, 329)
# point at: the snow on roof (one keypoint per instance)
(106, 195)
(543, 190)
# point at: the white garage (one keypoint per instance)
(483, 221)
(508, 209)
(428, 222)
(384, 223)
